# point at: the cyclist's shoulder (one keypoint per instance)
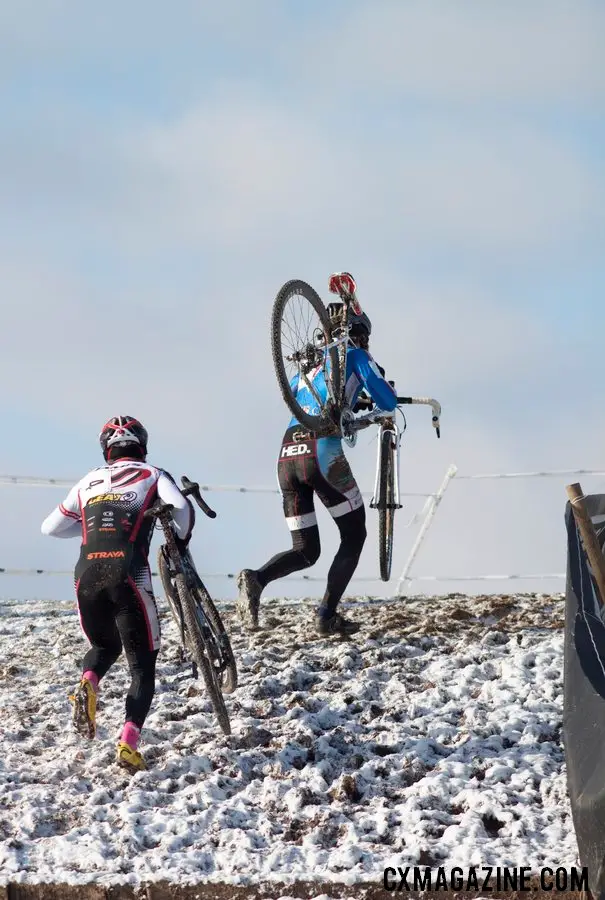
(359, 358)
(92, 474)
(164, 473)
(358, 353)
(158, 471)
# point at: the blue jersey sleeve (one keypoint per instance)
(377, 387)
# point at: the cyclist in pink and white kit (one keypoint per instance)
(115, 596)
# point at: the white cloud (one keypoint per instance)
(446, 331)
(62, 30)
(145, 255)
(544, 52)
(238, 171)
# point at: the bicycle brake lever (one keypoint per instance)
(193, 488)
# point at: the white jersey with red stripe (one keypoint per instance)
(108, 504)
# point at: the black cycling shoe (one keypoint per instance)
(248, 602)
(335, 624)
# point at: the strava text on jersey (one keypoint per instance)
(485, 879)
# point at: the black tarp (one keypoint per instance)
(584, 706)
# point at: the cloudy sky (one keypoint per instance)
(165, 168)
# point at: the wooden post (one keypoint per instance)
(589, 538)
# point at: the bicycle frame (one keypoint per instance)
(189, 572)
(182, 563)
(315, 355)
(343, 284)
(339, 343)
(201, 630)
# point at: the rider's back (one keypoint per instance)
(109, 503)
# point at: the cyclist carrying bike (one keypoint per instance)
(115, 596)
(309, 465)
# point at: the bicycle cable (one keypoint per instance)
(405, 421)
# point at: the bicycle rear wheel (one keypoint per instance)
(300, 328)
(386, 504)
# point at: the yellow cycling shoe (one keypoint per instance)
(85, 709)
(129, 758)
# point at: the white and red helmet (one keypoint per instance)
(121, 434)
(343, 284)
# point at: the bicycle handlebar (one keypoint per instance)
(370, 418)
(192, 488)
(425, 401)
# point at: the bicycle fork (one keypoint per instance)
(377, 502)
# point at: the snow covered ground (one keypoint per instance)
(433, 738)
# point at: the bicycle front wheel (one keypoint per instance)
(386, 504)
(202, 654)
(223, 652)
(223, 655)
(300, 330)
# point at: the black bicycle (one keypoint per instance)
(305, 343)
(203, 634)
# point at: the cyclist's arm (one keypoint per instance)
(374, 382)
(182, 514)
(65, 521)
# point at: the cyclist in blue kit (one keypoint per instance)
(309, 465)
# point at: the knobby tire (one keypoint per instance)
(229, 674)
(201, 654)
(385, 505)
(324, 423)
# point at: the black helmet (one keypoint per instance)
(360, 324)
(123, 436)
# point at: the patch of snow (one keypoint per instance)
(433, 738)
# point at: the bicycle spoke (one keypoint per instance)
(300, 324)
(299, 335)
